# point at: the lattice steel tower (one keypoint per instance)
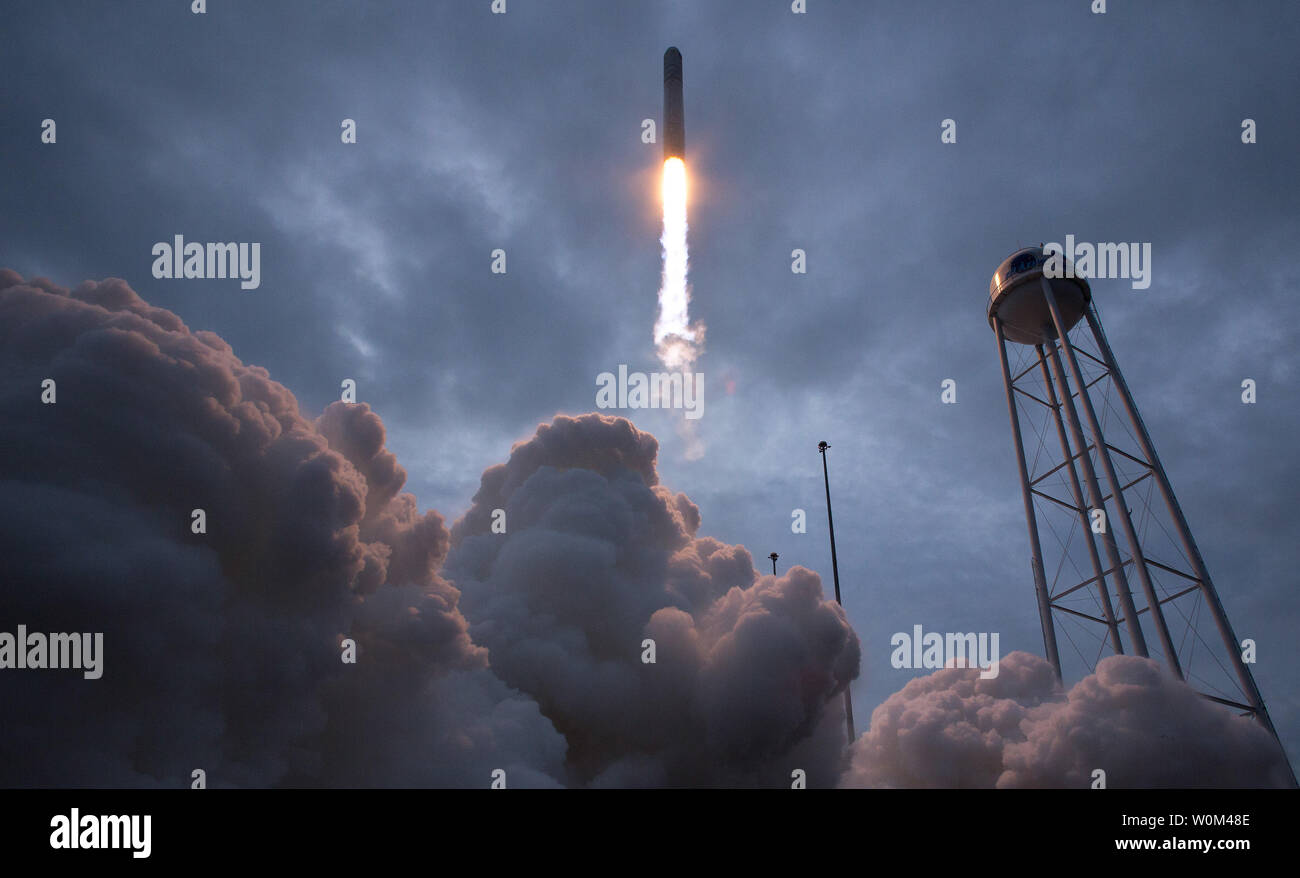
(1124, 574)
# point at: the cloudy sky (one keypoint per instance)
(819, 131)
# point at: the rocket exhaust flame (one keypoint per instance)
(676, 339)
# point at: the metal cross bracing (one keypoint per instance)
(1131, 580)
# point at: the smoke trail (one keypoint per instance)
(678, 342)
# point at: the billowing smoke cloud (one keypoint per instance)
(595, 559)
(1130, 719)
(222, 649)
(521, 650)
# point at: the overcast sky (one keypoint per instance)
(821, 131)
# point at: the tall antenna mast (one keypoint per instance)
(835, 571)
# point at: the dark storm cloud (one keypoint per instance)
(818, 131)
(1130, 719)
(222, 649)
(597, 557)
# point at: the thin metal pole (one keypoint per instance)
(1131, 620)
(1246, 679)
(1116, 487)
(1036, 559)
(835, 571)
(1076, 491)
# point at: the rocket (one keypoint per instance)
(674, 122)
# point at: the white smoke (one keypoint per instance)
(678, 341)
(1129, 719)
(598, 558)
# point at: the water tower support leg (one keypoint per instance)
(1116, 488)
(1131, 620)
(1076, 491)
(1244, 676)
(1040, 579)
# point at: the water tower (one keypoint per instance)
(1123, 574)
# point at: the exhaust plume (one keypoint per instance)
(677, 341)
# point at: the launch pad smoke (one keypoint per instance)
(228, 643)
(477, 651)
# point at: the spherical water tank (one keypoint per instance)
(1016, 297)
